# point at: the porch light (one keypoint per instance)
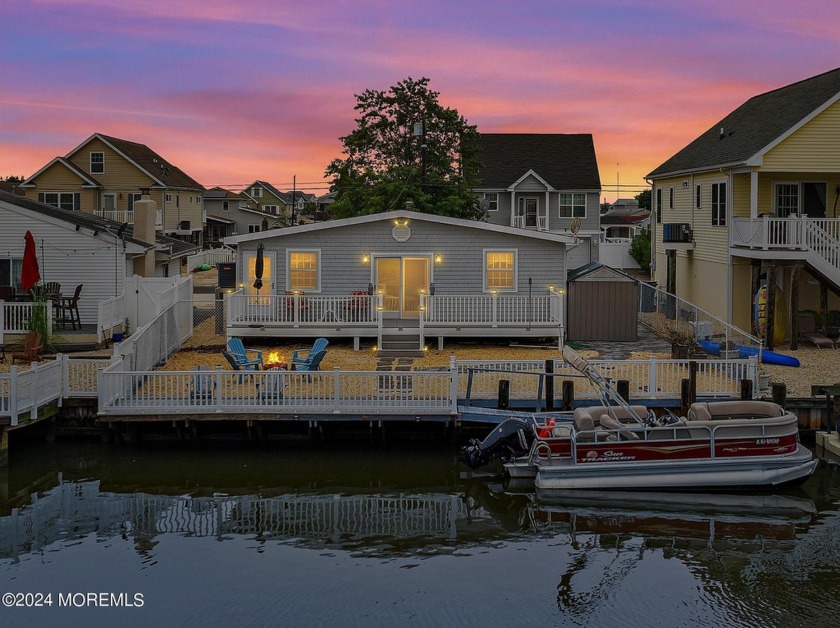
(379, 308)
(551, 287)
(380, 291)
(422, 291)
(561, 291)
(438, 258)
(494, 292)
(422, 308)
(365, 259)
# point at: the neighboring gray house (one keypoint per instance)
(235, 214)
(79, 248)
(401, 273)
(542, 182)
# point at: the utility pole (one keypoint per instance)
(294, 189)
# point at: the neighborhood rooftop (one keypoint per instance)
(753, 126)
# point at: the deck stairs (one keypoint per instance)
(823, 252)
(401, 339)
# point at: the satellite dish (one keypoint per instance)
(484, 204)
(574, 226)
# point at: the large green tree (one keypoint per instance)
(406, 148)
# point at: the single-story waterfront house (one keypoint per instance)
(403, 275)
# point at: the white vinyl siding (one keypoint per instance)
(304, 271)
(499, 271)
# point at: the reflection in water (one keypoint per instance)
(587, 559)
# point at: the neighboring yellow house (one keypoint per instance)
(104, 176)
(269, 199)
(754, 201)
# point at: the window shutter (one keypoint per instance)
(40, 197)
(77, 201)
(131, 202)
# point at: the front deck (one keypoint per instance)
(367, 316)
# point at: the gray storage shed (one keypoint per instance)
(603, 304)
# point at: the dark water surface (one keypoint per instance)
(239, 536)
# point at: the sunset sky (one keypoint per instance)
(233, 91)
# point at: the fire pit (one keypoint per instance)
(275, 361)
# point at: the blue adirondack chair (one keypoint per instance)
(312, 363)
(240, 355)
(301, 357)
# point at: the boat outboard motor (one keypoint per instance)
(511, 439)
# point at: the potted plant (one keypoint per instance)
(683, 342)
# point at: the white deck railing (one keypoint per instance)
(648, 379)
(14, 318)
(490, 310)
(335, 392)
(411, 393)
(117, 215)
(818, 238)
(304, 310)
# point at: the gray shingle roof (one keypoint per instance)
(564, 161)
(754, 125)
(154, 164)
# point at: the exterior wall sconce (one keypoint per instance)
(422, 291)
(494, 292)
(365, 259)
(432, 288)
(438, 258)
(561, 291)
(380, 291)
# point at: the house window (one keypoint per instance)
(787, 199)
(697, 196)
(253, 228)
(493, 200)
(304, 270)
(670, 198)
(256, 192)
(719, 204)
(10, 268)
(225, 205)
(573, 206)
(63, 200)
(271, 209)
(659, 205)
(168, 198)
(500, 270)
(97, 163)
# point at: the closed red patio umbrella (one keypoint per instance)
(30, 274)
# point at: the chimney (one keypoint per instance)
(145, 212)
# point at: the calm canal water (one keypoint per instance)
(240, 536)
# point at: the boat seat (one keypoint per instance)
(610, 423)
(703, 411)
(739, 427)
(585, 426)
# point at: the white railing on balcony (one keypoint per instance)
(301, 310)
(110, 315)
(117, 215)
(819, 238)
(14, 318)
